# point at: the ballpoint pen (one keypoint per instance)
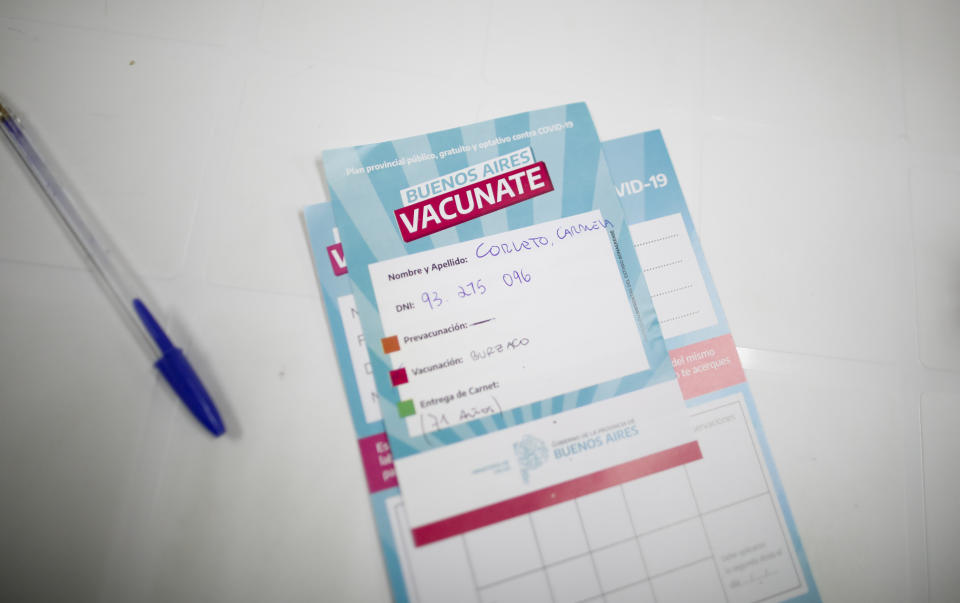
(170, 360)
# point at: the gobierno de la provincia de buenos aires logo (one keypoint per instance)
(532, 452)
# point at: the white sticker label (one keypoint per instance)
(359, 358)
(480, 327)
(673, 275)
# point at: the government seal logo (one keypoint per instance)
(531, 453)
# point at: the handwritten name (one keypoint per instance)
(490, 249)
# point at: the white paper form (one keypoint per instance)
(674, 275)
(708, 531)
(359, 358)
(491, 315)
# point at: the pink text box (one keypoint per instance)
(707, 366)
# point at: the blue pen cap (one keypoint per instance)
(176, 369)
(184, 380)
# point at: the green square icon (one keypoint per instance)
(405, 408)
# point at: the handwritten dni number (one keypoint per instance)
(472, 288)
(432, 299)
(516, 277)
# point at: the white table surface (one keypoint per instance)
(818, 144)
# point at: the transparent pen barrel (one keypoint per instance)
(97, 248)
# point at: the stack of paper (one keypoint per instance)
(548, 401)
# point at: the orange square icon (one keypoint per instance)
(390, 344)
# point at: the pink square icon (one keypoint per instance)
(398, 377)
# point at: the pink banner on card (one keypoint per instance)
(378, 462)
(472, 201)
(569, 490)
(707, 366)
